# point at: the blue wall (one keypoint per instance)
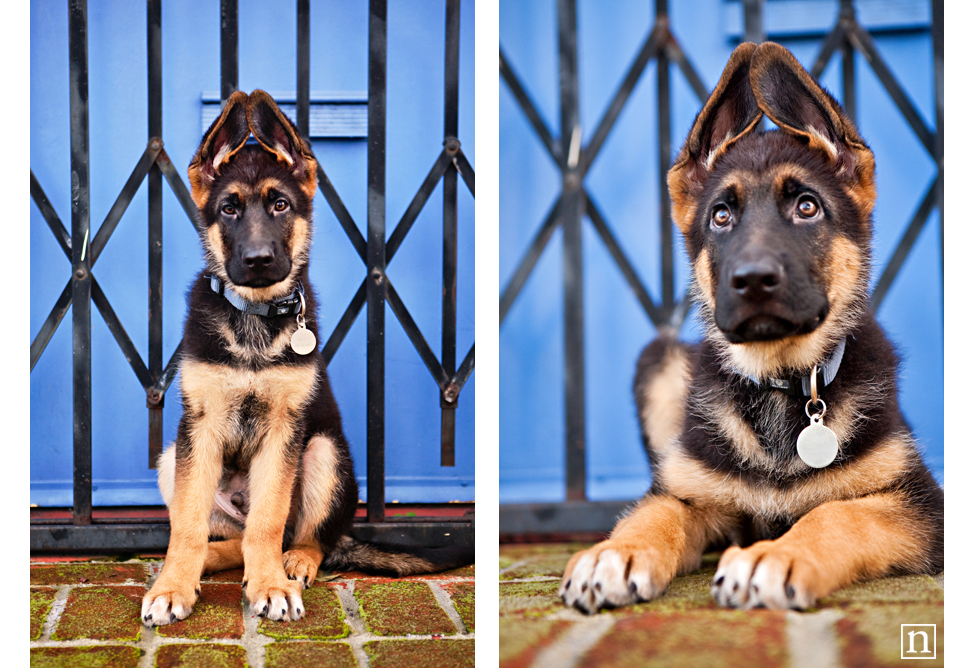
(624, 183)
(118, 136)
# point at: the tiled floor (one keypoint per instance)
(858, 626)
(85, 612)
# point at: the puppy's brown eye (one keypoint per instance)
(280, 205)
(808, 207)
(229, 210)
(721, 217)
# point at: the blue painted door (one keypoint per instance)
(624, 183)
(118, 136)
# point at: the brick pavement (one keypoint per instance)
(856, 627)
(85, 612)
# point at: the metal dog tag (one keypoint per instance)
(303, 342)
(817, 444)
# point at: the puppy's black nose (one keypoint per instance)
(259, 257)
(756, 279)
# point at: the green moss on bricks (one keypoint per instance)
(424, 653)
(463, 596)
(54, 574)
(714, 639)
(323, 618)
(84, 657)
(688, 592)
(529, 599)
(914, 588)
(400, 608)
(539, 560)
(101, 613)
(200, 656)
(40, 605)
(217, 614)
(291, 654)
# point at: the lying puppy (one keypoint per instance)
(779, 436)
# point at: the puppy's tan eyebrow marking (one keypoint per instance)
(267, 185)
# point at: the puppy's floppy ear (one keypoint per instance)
(277, 134)
(799, 106)
(729, 113)
(222, 140)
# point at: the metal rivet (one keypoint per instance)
(80, 274)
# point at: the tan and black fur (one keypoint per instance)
(260, 474)
(778, 227)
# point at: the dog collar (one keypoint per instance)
(289, 305)
(801, 386)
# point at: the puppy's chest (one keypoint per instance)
(247, 403)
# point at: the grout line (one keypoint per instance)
(345, 594)
(54, 614)
(811, 639)
(254, 641)
(568, 650)
(521, 562)
(149, 643)
(446, 604)
(535, 578)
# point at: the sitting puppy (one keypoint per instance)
(260, 459)
(779, 436)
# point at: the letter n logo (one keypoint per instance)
(917, 641)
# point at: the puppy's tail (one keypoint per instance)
(394, 560)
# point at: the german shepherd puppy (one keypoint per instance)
(778, 226)
(260, 459)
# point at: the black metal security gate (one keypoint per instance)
(574, 161)
(85, 532)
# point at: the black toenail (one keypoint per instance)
(291, 577)
(265, 609)
(172, 619)
(633, 587)
(790, 591)
(718, 581)
(245, 582)
(306, 580)
(754, 588)
(198, 591)
(598, 586)
(735, 586)
(148, 618)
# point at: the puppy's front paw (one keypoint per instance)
(168, 600)
(766, 575)
(613, 574)
(276, 598)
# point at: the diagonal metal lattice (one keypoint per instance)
(375, 290)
